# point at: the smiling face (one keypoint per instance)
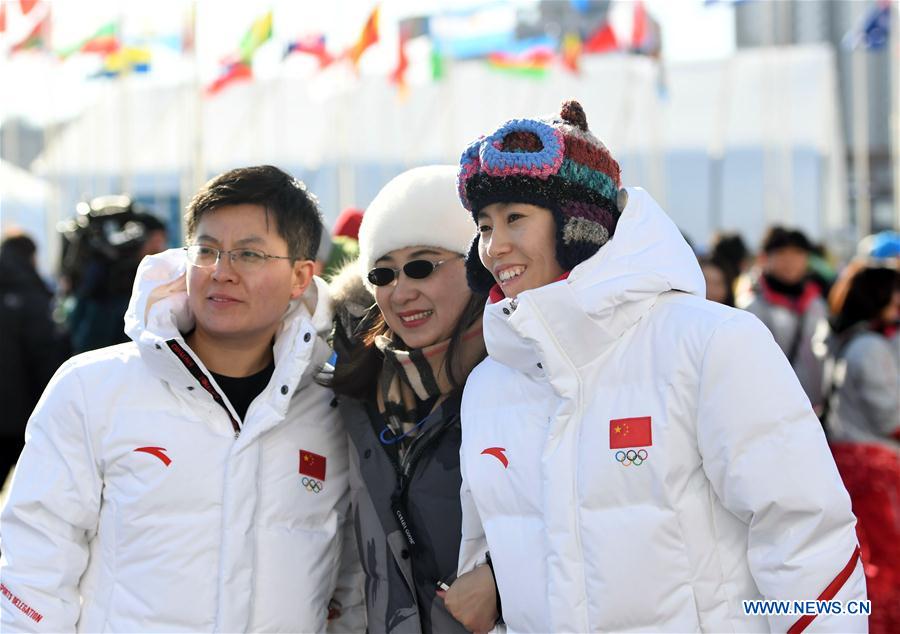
(426, 311)
(517, 245)
(244, 307)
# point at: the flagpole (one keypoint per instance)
(894, 60)
(860, 84)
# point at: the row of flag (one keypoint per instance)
(534, 57)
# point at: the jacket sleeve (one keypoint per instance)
(51, 513)
(473, 543)
(766, 458)
(873, 370)
(348, 592)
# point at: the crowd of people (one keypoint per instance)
(508, 394)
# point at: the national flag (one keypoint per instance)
(27, 6)
(531, 58)
(38, 37)
(398, 76)
(312, 465)
(873, 30)
(570, 51)
(367, 37)
(438, 65)
(104, 41)
(129, 59)
(603, 40)
(639, 31)
(231, 73)
(258, 34)
(630, 432)
(313, 45)
(2, 17)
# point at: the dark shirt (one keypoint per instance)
(241, 391)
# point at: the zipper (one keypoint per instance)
(188, 361)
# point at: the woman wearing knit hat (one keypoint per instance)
(399, 373)
(636, 457)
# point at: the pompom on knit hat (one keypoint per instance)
(419, 207)
(555, 163)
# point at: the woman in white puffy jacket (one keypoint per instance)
(635, 457)
(195, 479)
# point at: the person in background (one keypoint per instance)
(862, 420)
(719, 284)
(195, 478)
(634, 457)
(730, 250)
(862, 377)
(399, 376)
(31, 346)
(102, 249)
(344, 245)
(789, 303)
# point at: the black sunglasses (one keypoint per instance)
(415, 269)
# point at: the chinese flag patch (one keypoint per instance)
(630, 432)
(312, 465)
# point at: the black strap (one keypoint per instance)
(202, 379)
(798, 338)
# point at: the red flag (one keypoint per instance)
(602, 41)
(399, 75)
(630, 432)
(27, 5)
(2, 17)
(312, 465)
(37, 38)
(367, 37)
(639, 26)
(237, 71)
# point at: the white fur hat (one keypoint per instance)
(420, 207)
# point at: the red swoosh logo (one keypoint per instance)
(497, 452)
(159, 452)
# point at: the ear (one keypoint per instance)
(301, 277)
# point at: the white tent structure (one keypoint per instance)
(733, 144)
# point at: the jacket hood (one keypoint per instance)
(158, 311)
(604, 295)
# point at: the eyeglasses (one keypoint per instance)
(241, 259)
(415, 269)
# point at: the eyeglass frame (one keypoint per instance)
(231, 255)
(396, 272)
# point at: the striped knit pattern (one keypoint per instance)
(554, 163)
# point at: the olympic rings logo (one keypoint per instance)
(632, 457)
(311, 484)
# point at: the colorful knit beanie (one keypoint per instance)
(555, 163)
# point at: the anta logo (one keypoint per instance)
(159, 452)
(498, 453)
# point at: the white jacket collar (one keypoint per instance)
(159, 312)
(601, 298)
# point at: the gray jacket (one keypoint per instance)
(862, 379)
(785, 325)
(401, 577)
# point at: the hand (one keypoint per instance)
(472, 600)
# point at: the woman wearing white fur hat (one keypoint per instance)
(399, 381)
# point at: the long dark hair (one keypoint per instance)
(861, 294)
(359, 361)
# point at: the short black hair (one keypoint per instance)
(17, 247)
(296, 210)
(778, 237)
